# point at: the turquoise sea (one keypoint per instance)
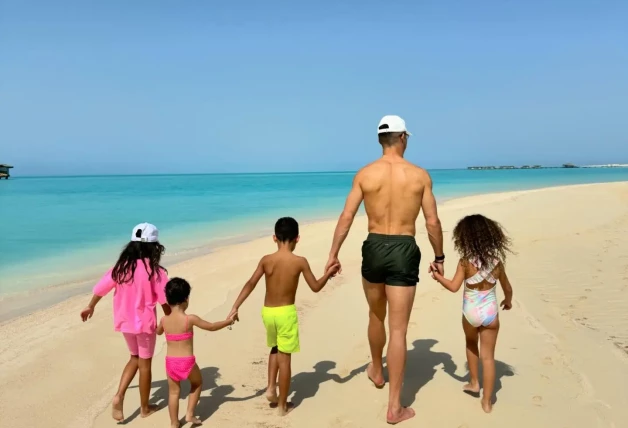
(64, 230)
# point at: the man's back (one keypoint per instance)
(393, 192)
(281, 271)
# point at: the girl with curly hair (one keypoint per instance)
(483, 246)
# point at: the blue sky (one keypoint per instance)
(154, 86)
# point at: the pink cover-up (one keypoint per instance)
(135, 302)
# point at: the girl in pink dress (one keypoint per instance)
(138, 283)
(482, 245)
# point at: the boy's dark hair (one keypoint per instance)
(177, 291)
(476, 236)
(286, 229)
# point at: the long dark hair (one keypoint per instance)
(124, 270)
(479, 237)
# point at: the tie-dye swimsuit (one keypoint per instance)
(479, 307)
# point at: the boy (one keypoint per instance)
(282, 270)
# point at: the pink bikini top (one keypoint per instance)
(179, 336)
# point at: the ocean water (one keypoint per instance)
(63, 230)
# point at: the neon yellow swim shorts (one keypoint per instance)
(282, 328)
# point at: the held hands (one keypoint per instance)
(436, 271)
(87, 313)
(506, 305)
(333, 260)
(332, 270)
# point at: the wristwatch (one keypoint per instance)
(439, 259)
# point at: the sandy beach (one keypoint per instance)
(562, 352)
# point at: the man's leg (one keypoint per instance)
(376, 298)
(400, 302)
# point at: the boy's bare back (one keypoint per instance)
(282, 271)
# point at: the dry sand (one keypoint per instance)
(562, 350)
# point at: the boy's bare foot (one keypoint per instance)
(472, 389)
(149, 411)
(286, 410)
(487, 406)
(403, 414)
(378, 380)
(271, 395)
(117, 408)
(193, 420)
(175, 425)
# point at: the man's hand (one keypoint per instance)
(87, 313)
(331, 262)
(438, 267)
(332, 270)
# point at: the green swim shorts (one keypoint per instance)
(391, 259)
(282, 328)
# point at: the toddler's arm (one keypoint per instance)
(248, 288)
(160, 327)
(505, 282)
(211, 326)
(317, 284)
(452, 285)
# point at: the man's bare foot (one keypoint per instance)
(283, 411)
(152, 408)
(271, 395)
(472, 388)
(117, 408)
(403, 414)
(377, 379)
(487, 406)
(193, 420)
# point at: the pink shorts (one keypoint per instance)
(141, 345)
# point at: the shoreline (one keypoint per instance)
(35, 300)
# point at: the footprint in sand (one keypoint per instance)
(548, 361)
(538, 400)
(581, 298)
(545, 377)
(588, 290)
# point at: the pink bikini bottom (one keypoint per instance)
(179, 368)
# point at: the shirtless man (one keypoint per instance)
(394, 191)
(282, 270)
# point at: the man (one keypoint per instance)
(394, 191)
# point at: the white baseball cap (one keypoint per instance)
(145, 232)
(392, 123)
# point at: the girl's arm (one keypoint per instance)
(210, 326)
(104, 286)
(454, 284)
(505, 282)
(247, 289)
(160, 327)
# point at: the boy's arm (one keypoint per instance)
(452, 285)
(505, 282)
(210, 326)
(317, 284)
(248, 287)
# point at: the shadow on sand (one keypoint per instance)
(306, 384)
(207, 404)
(422, 364)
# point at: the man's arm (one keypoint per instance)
(352, 204)
(248, 287)
(432, 222)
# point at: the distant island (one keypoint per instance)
(566, 165)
